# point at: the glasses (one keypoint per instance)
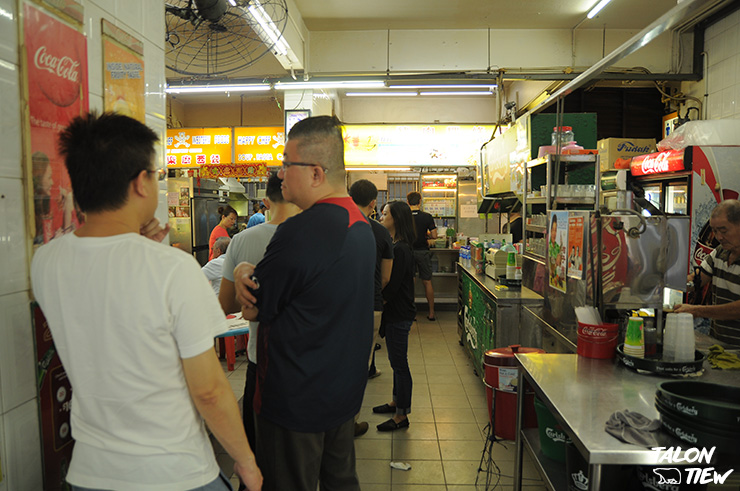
(161, 173)
(287, 164)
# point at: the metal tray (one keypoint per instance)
(695, 436)
(718, 404)
(655, 364)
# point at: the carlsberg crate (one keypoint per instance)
(610, 149)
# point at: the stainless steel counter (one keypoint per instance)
(582, 393)
(488, 285)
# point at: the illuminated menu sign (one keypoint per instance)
(259, 145)
(660, 163)
(414, 144)
(193, 147)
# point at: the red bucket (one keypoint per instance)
(597, 341)
(501, 380)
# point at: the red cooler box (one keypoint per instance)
(502, 377)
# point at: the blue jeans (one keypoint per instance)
(397, 343)
(221, 483)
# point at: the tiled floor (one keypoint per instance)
(445, 439)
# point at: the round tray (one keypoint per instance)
(696, 436)
(655, 364)
(707, 425)
(510, 283)
(702, 401)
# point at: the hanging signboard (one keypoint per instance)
(123, 72)
(660, 163)
(414, 145)
(233, 170)
(193, 147)
(256, 144)
(56, 83)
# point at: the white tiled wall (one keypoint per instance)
(723, 75)
(20, 453)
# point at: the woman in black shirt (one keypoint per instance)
(399, 311)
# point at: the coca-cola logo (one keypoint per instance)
(598, 332)
(63, 67)
(657, 163)
(628, 146)
(701, 252)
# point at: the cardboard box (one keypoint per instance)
(610, 149)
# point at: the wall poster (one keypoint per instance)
(576, 241)
(123, 72)
(557, 247)
(55, 72)
(193, 147)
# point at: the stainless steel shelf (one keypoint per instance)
(537, 201)
(575, 201)
(442, 273)
(553, 473)
(540, 229)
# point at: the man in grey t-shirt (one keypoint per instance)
(249, 246)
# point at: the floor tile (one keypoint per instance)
(373, 472)
(454, 415)
(373, 449)
(459, 431)
(447, 389)
(460, 450)
(404, 450)
(416, 431)
(450, 401)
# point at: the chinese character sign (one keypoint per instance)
(259, 145)
(194, 147)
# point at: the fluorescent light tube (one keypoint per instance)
(232, 2)
(597, 8)
(269, 29)
(392, 85)
(381, 94)
(378, 169)
(346, 84)
(458, 92)
(203, 89)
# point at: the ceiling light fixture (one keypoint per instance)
(268, 27)
(597, 8)
(381, 94)
(340, 84)
(400, 85)
(215, 89)
(368, 169)
(232, 2)
(457, 92)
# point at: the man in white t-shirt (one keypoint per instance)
(213, 268)
(250, 245)
(133, 322)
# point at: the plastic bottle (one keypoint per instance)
(510, 260)
(564, 133)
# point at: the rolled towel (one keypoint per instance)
(634, 428)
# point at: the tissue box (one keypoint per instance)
(610, 149)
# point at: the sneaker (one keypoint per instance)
(373, 374)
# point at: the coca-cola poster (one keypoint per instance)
(56, 80)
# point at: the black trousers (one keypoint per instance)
(297, 461)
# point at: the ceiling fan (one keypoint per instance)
(208, 38)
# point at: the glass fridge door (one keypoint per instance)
(677, 198)
(652, 194)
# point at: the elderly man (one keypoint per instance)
(213, 268)
(133, 321)
(312, 294)
(722, 268)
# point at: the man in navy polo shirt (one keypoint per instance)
(312, 294)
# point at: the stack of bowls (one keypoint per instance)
(701, 414)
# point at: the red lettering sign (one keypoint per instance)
(658, 163)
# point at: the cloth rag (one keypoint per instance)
(634, 428)
(722, 360)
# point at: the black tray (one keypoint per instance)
(708, 425)
(655, 364)
(696, 436)
(510, 283)
(699, 400)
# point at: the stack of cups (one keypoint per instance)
(634, 342)
(669, 337)
(685, 338)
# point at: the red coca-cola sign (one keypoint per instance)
(659, 163)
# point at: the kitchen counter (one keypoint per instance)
(488, 285)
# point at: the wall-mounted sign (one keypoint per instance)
(660, 163)
(193, 147)
(414, 144)
(259, 145)
(233, 170)
(123, 72)
(292, 116)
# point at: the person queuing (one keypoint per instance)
(399, 313)
(213, 268)
(133, 321)
(312, 294)
(229, 216)
(365, 195)
(722, 269)
(425, 229)
(249, 245)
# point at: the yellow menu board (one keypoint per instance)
(263, 144)
(193, 147)
(414, 144)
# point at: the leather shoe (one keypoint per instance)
(385, 408)
(391, 425)
(361, 428)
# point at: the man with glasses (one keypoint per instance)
(312, 294)
(133, 321)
